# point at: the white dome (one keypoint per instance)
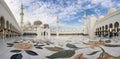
(28, 23)
(111, 11)
(37, 22)
(92, 17)
(101, 17)
(42, 26)
(46, 26)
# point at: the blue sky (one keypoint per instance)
(70, 12)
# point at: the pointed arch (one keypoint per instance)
(2, 22)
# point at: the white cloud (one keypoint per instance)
(107, 4)
(103, 3)
(97, 1)
(80, 21)
(42, 10)
(97, 11)
(47, 11)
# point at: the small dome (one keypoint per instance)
(111, 11)
(101, 17)
(42, 26)
(38, 22)
(93, 17)
(28, 23)
(46, 26)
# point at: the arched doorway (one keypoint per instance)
(110, 30)
(2, 26)
(103, 31)
(2, 22)
(100, 32)
(116, 29)
(44, 33)
(10, 27)
(10, 32)
(7, 29)
(106, 30)
(7, 24)
(96, 32)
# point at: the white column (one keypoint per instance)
(57, 27)
(3, 34)
(49, 33)
(39, 33)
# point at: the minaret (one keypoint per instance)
(22, 15)
(85, 19)
(57, 26)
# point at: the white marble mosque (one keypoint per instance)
(98, 39)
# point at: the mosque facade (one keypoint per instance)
(8, 24)
(104, 26)
(37, 28)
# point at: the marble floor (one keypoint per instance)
(87, 51)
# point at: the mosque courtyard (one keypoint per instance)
(63, 47)
(59, 29)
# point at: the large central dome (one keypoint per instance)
(37, 22)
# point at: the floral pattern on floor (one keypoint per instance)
(59, 51)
